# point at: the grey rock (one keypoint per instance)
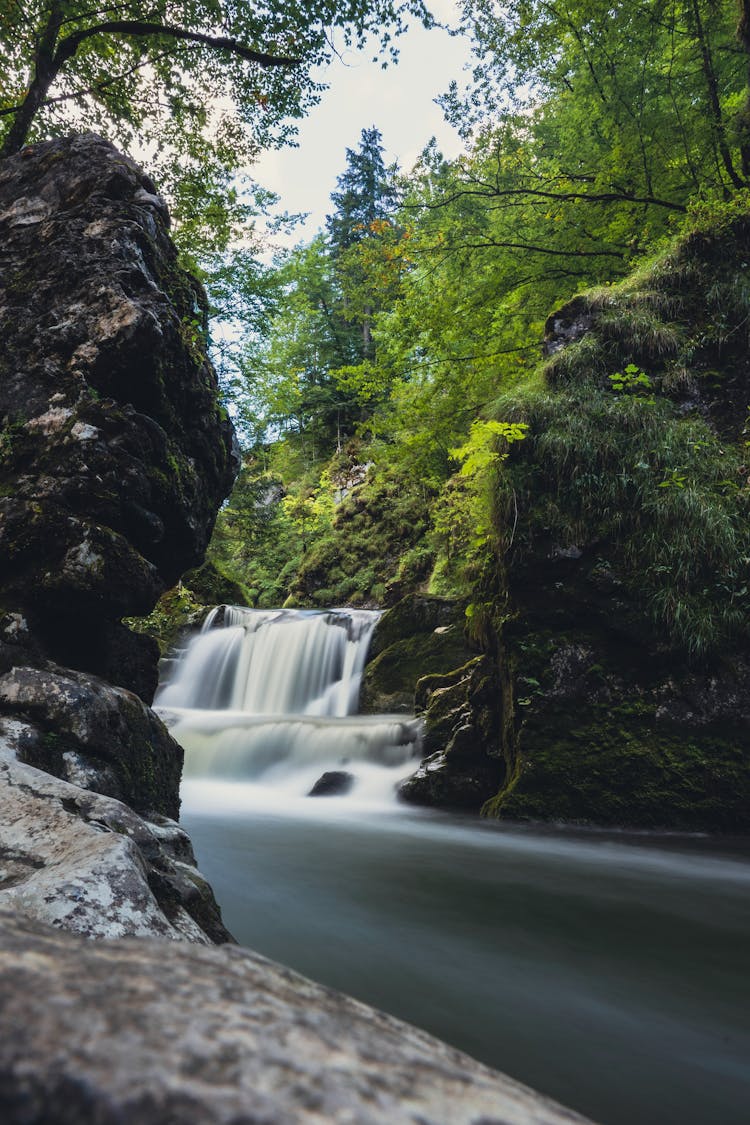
(119, 1031)
(88, 863)
(333, 783)
(567, 325)
(84, 730)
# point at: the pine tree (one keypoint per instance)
(367, 194)
(364, 207)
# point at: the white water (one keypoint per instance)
(269, 697)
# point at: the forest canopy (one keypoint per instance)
(594, 134)
(197, 89)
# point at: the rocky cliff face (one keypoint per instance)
(114, 450)
(114, 457)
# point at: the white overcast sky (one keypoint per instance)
(399, 101)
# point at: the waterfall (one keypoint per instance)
(270, 697)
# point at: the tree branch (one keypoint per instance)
(487, 191)
(96, 88)
(492, 244)
(140, 29)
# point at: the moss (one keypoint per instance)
(622, 525)
(382, 518)
(418, 613)
(176, 610)
(608, 730)
(615, 765)
(208, 584)
(391, 677)
(659, 497)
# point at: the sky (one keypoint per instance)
(399, 101)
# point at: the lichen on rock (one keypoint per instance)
(117, 1031)
(85, 862)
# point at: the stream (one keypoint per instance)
(607, 970)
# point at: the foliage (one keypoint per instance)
(337, 534)
(631, 380)
(488, 445)
(665, 120)
(654, 492)
(410, 329)
(373, 552)
(198, 86)
(313, 371)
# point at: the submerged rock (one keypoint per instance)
(333, 783)
(117, 1031)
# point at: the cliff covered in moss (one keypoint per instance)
(615, 608)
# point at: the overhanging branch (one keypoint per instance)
(140, 29)
(488, 192)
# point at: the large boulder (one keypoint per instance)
(87, 863)
(115, 452)
(115, 1031)
(84, 730)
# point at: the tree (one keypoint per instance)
(289, 385)
(366, 194)
(198, 84)
(590, 130)
(362, 223)
(644, 96)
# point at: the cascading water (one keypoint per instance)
(270, 697)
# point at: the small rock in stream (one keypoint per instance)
(333, 783)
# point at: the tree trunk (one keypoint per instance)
(45, 72)
(367, 333)
(712, 89)
(743, 117)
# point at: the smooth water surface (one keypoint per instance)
(610, 973)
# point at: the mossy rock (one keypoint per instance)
(438, 783)
(418, 613)
(176, 611)
(462, 738)
(209, 586)
(602, 737)
(620, 766)
(391, 678)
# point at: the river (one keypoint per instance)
(609, 971)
